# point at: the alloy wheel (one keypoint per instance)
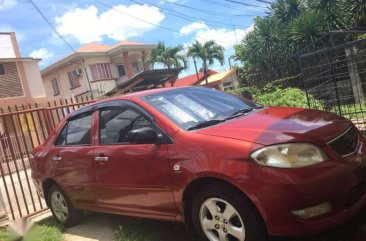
(59, 206)
(220, 221)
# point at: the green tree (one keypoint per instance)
(286, 10)
(305, 29)
(356, 12)
(208, 52)
(170, 57)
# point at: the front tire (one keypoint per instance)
(62, 208)
(219, 213)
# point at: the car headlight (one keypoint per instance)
(290, 155)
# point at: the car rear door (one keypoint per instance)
(72, 158)
(134, 178)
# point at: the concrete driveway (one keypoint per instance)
(94, 227)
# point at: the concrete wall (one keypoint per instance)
(34, 79)
(6, 46)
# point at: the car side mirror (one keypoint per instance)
(144, 135)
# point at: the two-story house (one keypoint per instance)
(94, 69)
(20, 78)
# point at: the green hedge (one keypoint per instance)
(274, 94)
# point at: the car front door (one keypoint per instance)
(72, 158)
(133, 178)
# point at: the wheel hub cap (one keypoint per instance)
(220, 221)
(59, 206)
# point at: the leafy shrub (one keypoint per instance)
(273, 94)
(292, 97)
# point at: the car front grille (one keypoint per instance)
(346, 143)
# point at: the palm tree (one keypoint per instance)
(208, 52)
(305, 29)
(331, 12)
(168, 56)
(356, 10)
(286, 10)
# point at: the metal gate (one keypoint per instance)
(21, 129)
(335, 80)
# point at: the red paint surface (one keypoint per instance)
(139, 180)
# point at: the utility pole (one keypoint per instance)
(87, 79)
(236, 37)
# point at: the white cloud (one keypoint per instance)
(7, 4)
(223, 36)
(41, 53)
(191, 28)
(90, 25)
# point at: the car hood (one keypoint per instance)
(281, 124)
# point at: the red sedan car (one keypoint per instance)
(230, 169)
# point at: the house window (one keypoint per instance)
(121, 70)
(227, 86)
(73, 79)
(2, 70)
(101, 71)
(137, 67)
(56, 90)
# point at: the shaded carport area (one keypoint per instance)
(147, 79)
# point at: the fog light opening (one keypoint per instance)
(313, 211)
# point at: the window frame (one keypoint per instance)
(66, 126)
(126, 104)
(54, 83)
(2, 69)
(73, 80)
(101, 71)
(124, 67)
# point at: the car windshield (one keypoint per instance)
(192, 107)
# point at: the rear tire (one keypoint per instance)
(220, 213)
(61, 207)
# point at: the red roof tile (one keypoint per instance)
(191, 80)
(96, 47)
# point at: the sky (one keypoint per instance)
(108, 21)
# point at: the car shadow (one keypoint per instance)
(140, 229)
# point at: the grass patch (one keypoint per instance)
(46, 230)
(133, 229)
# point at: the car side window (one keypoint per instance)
(76, 131)
(114, 124)
(61, 139)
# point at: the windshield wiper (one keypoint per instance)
(245, 110)
(206, 123)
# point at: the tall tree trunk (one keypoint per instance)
(205, 71)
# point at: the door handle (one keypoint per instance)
(101, 158)
(57, 158)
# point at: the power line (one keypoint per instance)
(204, 11)
(226, 5)
(245, 4)
(137, 18)
(64, 40)
(157, 25)
(219, 3)
(262, 1)
(52, 26)
(188, 17)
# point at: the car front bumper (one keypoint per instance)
(338, 181)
